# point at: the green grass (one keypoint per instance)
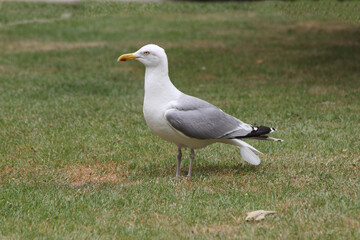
(77, 160)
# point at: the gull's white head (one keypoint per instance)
(150, 55)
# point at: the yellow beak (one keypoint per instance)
(126, 57)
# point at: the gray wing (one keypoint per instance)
(199, 119)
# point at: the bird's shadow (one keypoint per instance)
(206, 170)
(238, 169)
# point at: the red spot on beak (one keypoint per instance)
(123, 59)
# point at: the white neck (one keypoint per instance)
(158, 85)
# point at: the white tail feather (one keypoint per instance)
(240, 143)
(249, 156)
(246, 150)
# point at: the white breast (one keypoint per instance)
(154, 114)
(160, 96)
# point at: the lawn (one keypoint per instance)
(77, 160)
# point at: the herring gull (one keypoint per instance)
(187, 121)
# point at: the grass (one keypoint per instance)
(78, 161)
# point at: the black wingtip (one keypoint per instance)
(258, 131)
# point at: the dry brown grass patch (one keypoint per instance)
(184, 44)
(6, 69)
(194, 44)
(215, 229)
(96, 174)
(322, 26)
(213, 17)
(44, 46)
(316, 26)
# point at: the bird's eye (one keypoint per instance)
(146, 53)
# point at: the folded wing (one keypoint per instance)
(199, 119)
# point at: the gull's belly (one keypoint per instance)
(156, 121)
